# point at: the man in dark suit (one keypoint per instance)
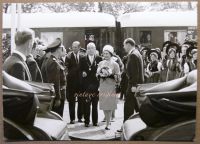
(73, 82)
(34, 61)
(54, 72)
(134, 72)
(15, 64)
(34, 69)
(90, 83)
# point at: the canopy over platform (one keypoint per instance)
(70, 19)
(159, 19)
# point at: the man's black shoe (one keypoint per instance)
(72, 122)
(120, 130)
(112, 120)
(104, 120)
(95, 124)
(86, 125)
(80, 121)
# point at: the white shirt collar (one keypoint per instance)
(20, 54)
(91, 56)
(131, 51)
(76, 54)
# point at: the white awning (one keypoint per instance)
(158, 19)
(70, 19)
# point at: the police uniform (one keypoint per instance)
(53, 72)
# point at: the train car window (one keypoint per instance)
(145, 38)
(177, 36)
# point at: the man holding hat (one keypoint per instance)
(15, 64)
(54, 72)
(135, 72)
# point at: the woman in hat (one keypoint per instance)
(154, 67)
(164, 58)
(183, 59)
(109, 73)
(144, 51)
(173, 65)
(191, 63)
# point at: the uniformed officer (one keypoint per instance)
(53, 72)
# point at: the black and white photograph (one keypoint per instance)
(99, 71)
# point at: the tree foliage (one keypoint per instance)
(114, 8)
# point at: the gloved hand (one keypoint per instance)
(84, 74)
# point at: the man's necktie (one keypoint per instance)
(76, 58)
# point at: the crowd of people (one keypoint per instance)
(87, 78)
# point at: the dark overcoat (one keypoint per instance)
(17, 67)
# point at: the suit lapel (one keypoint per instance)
(76, 60)
(94, 60)
(88, 60)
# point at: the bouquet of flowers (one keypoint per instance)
(105, 72)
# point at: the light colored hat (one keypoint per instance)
(171, 49)
(155, 54)
(108, 48)
(54, 45)
(194, 51)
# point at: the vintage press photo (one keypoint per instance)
(103, 71)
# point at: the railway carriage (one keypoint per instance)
(151, 29)
(71, 26)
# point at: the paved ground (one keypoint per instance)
(78, 131)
